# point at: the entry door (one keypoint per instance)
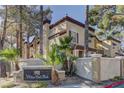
(96, 69)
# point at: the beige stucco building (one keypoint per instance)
(68, 26)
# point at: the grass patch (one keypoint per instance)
(34, 85)
(24, 86)
(39, 85)
(8, 85)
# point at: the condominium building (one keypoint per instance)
(68, 26)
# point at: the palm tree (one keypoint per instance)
(65, 47)
(52, 59)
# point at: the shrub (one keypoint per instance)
(8, 85)
(117, 78)
(100, 83)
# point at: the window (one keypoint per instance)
(74, 35)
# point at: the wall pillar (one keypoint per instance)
(96, 68)
(45, 39)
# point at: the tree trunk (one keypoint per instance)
(1, 46)
(68, 64)
(55, 77)
(17, 39)
(17, 66)
(17, 31)
(41, 30)
(20, 30)
(4, 29)
(28, 34)
(28, 46)
(11, 41)
(2, 40)
(86, 32)
(2, 69)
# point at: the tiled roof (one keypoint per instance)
(67, 18)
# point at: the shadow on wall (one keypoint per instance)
(84, 68)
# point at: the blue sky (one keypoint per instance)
(75, 11)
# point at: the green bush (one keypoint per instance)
(39, 85)
(8, 85)
(117, 78)
(100, 83)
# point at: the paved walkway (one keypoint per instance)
(71, 82)
(82, 84)
(74, 86)
(70, 86)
